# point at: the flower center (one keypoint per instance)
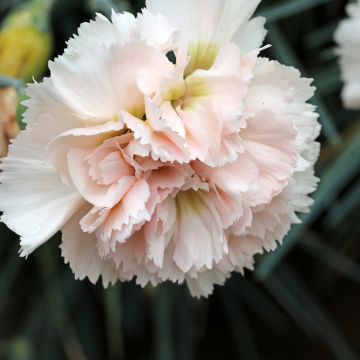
(196, 88)
(202, 56)
(189, 203)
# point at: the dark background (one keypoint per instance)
(302, 302)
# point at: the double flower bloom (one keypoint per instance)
(163, 170)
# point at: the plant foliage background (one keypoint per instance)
(302, 302)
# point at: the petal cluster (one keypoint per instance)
(348, 40)
(164, 147)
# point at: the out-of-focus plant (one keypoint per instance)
(26, 41)
(106, 6)
(9, 127)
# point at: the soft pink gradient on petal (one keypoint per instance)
(79, 250)
(270, 141)
(206, 245)
(119, 223)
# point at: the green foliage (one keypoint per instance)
(284, 310)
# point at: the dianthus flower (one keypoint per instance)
(163, 147)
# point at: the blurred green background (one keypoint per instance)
(303, 300)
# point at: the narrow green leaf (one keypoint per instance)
(35, 322)
(332, 258)
(321, 36)
(185, 331)
(290, 303)
(57, 306)
(162, 317)
(113, 311)
(327, 55)
(242, 334)
(289, 8)
(342, 208)
(328, 80)
(326, 329)
(9, 272)
(260, 302)
(20, 112)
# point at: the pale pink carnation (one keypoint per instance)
(161, 171)
(347, 37)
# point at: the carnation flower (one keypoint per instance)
(348, 38)
(163, 147)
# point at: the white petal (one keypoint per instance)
(305, 184)
(204, 284)
(224, 83)
(251, 35)
(98, 31)
(159, 230)
(35, 202)
(120, 222)
(100, 83)
(155, 30)
(210, 21)
(206, 245)
(83, 138)
(80, 251)
(234, 178)
(270, 140)
(97, 195)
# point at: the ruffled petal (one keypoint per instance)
(207, 21)
(159, 134)
(100, 31)
(251, 35)
(270, 141)
(79, 250)
(120, 222)
(203, 284)
(224, 83)
(99, 84)
(206, 245)
(155, 30)
(96, 194)
(159, 231)
(203, 126)
(82, 138)
(235, 178)
(36, 204)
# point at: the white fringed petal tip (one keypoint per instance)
(163, 171)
